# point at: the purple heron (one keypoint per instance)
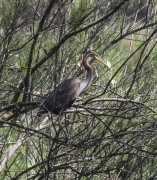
(64, 95)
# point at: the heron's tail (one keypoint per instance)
(41, 112)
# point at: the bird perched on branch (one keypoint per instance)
(64, 95)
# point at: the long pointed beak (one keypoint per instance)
(101, 61)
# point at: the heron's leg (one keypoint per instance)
(67, 135)
(66, 125)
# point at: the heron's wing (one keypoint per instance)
(62, 96)
(65, 92)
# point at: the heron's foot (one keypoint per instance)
(68, 137)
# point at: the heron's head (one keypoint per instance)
(94, 54)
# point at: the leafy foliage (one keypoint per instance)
(110, 132)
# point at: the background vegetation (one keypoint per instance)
(112, 126)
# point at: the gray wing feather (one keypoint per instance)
(61, 97)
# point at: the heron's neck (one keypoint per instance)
(85, 83)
